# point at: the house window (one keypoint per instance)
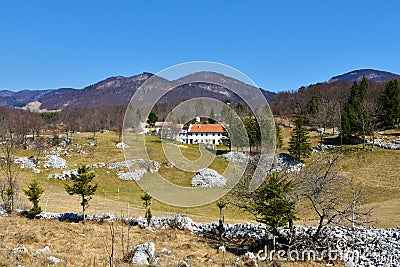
(201, 134)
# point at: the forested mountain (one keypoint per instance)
(117, 91)
(370, 74)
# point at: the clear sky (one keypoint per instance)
(280, 45)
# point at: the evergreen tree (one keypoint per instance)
(389, 104)
(313, 106)
(239, 109)
(33, 193)
(355, 117)
(211, 117)
(299, 144)
(152, 118)
(271, 203)
(237, 133)
(81, 186)
(253, 130)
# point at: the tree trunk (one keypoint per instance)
(321, 221)
(83, 208)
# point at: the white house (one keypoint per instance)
(202, 134)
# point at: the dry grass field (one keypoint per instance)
(89, 244)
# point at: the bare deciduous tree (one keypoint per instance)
(9, 172)
(356, 213)
(328, 193)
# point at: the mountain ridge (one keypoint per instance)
(114, 91)
(371, 74)
(118, 90)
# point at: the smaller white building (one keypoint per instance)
(168, 129)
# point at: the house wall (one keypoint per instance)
(200, 138)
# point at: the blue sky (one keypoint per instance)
(280, 45)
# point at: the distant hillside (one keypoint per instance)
(115, 91)
(21, 98)
(372, 75)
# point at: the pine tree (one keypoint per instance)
(152, 118)
(299, 144)
(272, 204)
(253, 130)
(33, 193)
(211, 117)
(81, 186)
(389, 104)
(355, 117)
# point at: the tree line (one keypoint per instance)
(359, 107)
(23, 124)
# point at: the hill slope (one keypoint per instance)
(372, 75)
(118, 91)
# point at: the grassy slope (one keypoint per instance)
(107, 198)
(377, 170)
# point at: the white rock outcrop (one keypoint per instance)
(121, 145)
(45, 250)
(142, 254)
(55, 162)
(208, 178)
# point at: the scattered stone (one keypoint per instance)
(144, 253)
(65, 175)
(285, 162)
(131, 176)
(169, 165)
(166, 252)
(183, 263)
(142, 166)
(385, 145)
(282, 161)
(323, 147)
(25, 163)
(55, 162)
(45, 250)
(55, 260)
(97, 165)
(120, 164)
(208, 178)
(92, 143)
(235, 156)
(122, 145)
(149, 229)
(3, 211)
(20, 250)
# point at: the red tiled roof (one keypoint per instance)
(206, 128)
